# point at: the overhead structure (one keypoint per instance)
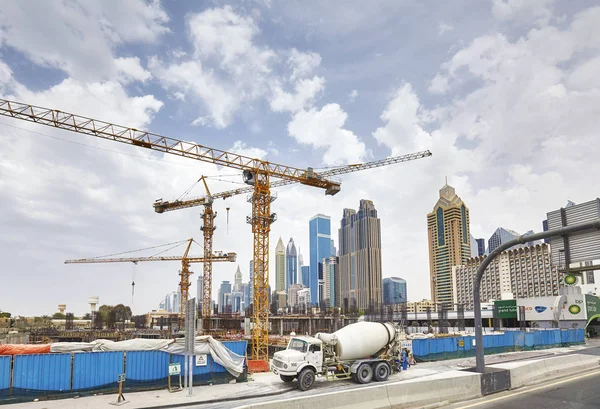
(208, 216)
(185, 273)
(256, 172)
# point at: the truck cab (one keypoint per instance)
(302, 359)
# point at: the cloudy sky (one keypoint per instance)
(505, 93)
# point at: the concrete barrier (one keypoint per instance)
(452, 386)
(362, 397)
(535, 371)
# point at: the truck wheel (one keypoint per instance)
(381, 372)
(287, 378)
(364, 373)
(306, 379)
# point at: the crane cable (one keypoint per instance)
(133, 251)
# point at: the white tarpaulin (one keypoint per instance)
(231, 361)
(138, 344)
(65, 347)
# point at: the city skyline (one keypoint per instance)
(294, 84)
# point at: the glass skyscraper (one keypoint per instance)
(291, 265)
(394, 290)
(320, 248)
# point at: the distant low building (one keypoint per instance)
(420, 306)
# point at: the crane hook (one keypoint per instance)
(227, 208)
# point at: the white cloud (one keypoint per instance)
(324, 128)
(305, 92)
(191, 79)
(352, 95)
(523, 11)
(444, 28)
(132, 70)
(302, 64)
(93, 30)
(242, 148)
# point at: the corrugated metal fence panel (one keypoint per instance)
(238, 347)
(44, 372)
(5, 372)
(94, 369)
(147, 365)
(206, 369)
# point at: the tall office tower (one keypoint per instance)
(237, 280)
(319, 239)
(523, 272)
(280, 266)
(224, 296)
(332, 282)
(394, 290)
(480, 247)
(291, 264)
(300, 258)
(500, 236)
(360, 257)
(199, 295)
(449, 242)
(333, 249)
(305, 270)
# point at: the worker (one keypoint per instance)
(398, 361)
(404, 359)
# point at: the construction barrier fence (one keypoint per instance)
(47, 376)
(437, 349)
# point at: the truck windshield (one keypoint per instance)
(298, 345)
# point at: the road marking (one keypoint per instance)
(530, 390)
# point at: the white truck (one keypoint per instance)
(362, 351)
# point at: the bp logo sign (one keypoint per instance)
(570, 279)
(574, 309)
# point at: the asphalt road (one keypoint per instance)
(578, 392)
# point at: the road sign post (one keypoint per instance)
(174, 370)
(120, 397)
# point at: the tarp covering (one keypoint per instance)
(231, 361)
(23, 349)
(66, 347)
(138, 344)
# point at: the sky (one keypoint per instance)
(505, 94)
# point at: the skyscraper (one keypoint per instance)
(480, 247)
(320, 247)
(360, 257)
(291, 264)
(394, 290)
(280, 266)
(332, 282)
(237, 280)
(224, 296)
(501, 235)
(199, 295)
(449, 242)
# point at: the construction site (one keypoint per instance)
(263, 331)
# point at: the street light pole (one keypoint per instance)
(563, 231)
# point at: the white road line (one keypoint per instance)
(531, 390)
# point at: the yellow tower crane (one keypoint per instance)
(185, 273)
(208, 216)
(256, 172)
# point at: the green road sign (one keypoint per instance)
(506, 308)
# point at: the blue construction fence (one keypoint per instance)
(437, 349)
(46, 376)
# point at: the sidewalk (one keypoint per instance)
(268, 384)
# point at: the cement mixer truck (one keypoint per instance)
(363, 351)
